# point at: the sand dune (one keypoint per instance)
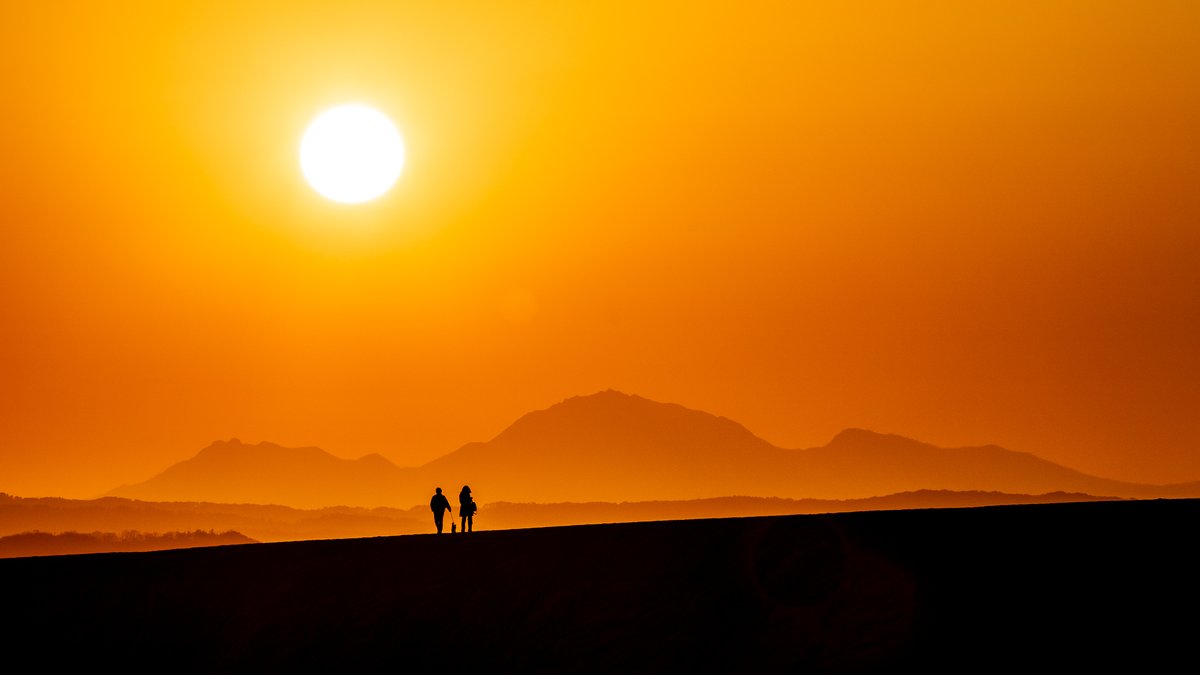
(1024, 588)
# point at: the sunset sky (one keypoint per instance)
(966, 223)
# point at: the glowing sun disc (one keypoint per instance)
(351, 153)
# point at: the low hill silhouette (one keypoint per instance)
(266, 473)
(1065, 587)
(261, 522)
(615, 447)
(45, 543)
(283, 523)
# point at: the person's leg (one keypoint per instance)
(463, 527)
(437, 520)
(470, 523)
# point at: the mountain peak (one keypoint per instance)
(857, 438)
(237, 447)
(617, 417)
(374, 459)
(220, 447)
(855, 435)
(611, 396)
(267, 473)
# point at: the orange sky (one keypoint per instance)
(960, 223)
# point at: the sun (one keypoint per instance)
(351, 154)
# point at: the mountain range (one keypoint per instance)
(616, 447)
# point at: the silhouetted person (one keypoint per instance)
(466, 509)
(472, 509)
(439, 505)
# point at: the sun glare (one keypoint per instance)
(351, 154)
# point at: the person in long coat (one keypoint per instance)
(466, 508)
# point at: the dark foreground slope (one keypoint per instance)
(1034, 587)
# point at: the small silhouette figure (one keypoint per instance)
(467, 509)
(472, 509)
(439, 505)
(453, 527)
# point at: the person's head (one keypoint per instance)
(438, 491)
(466, 489)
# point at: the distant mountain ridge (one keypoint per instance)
(55, 515)
(266, 473)
(615, 447)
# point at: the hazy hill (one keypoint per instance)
(860, 462)
(235, 472)
(63, 543)
(1060, 588)
(283, 523)
(261, 522)
(614, 447)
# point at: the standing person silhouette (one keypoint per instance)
(439, 505)
(466, 509)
